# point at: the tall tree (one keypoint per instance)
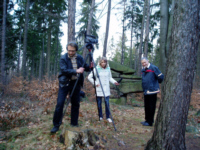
(141, 40)
(3, 43)
(123, 32)
(49, 47)
(132, 15)
(83, 21)
(170, 125)
(169, 30)
(41, 66)
(146, 40)
(107, 28)
(56, 55)
(19, 53)
(197, 75)
(71, 20)
(25, 39)
(117, 52)
(89, 25)
(164, 8)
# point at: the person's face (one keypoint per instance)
(103, 64)
(144, 63)
(71, 50)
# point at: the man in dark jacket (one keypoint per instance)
(151, 77)
(71, 64)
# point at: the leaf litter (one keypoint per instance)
(26, 115)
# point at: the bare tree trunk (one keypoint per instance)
(37, 69)
(197, 74)
(136, 51)
(136, 60)
(41, 60)
(141, 40)
(89, 25)
(131, 47)
(3, 74)
(169, 131)
(32, 67)
(49, 49)
(107, 28)
(123, 40)
(25, 39)
(71, 20)
(164, 8)
(147, 29)
(19, 53)
(56, 57)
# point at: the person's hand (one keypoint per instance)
(80, 70)
(97, 85)
(91, 64)
(116, 83)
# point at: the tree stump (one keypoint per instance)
(80, 139)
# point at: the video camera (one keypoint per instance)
(90, 39)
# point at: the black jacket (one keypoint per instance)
(66, 70)
(151, 79)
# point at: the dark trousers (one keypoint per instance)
(75, 104)
(99, 102)
(150, 107)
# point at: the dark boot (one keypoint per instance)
(54, 129)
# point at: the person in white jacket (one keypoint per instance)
(105, 77)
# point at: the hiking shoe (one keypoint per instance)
(143, 122)
(146, 124)
(100, 118)
(72, 125)
(109, 120)
(54, 129)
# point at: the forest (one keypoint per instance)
(34, 34)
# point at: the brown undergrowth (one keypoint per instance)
(26, 112)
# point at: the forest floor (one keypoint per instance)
(28, 124)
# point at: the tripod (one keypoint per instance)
(90, 47)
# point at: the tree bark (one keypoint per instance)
(197, 74)
(32, 66)
(89, 25)
(25, 39)
(3, 74)
(141, 41)
(41, 60)
(123, 40)
(107, 29)
(147, 29)
(164, 8)
(71, 20)
(19, 53)
(56, 57)
(49, 49)
(131, 47)
(170, 125)
(169, 33)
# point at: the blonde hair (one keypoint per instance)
(103, 59)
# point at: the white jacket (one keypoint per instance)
(105, 77)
